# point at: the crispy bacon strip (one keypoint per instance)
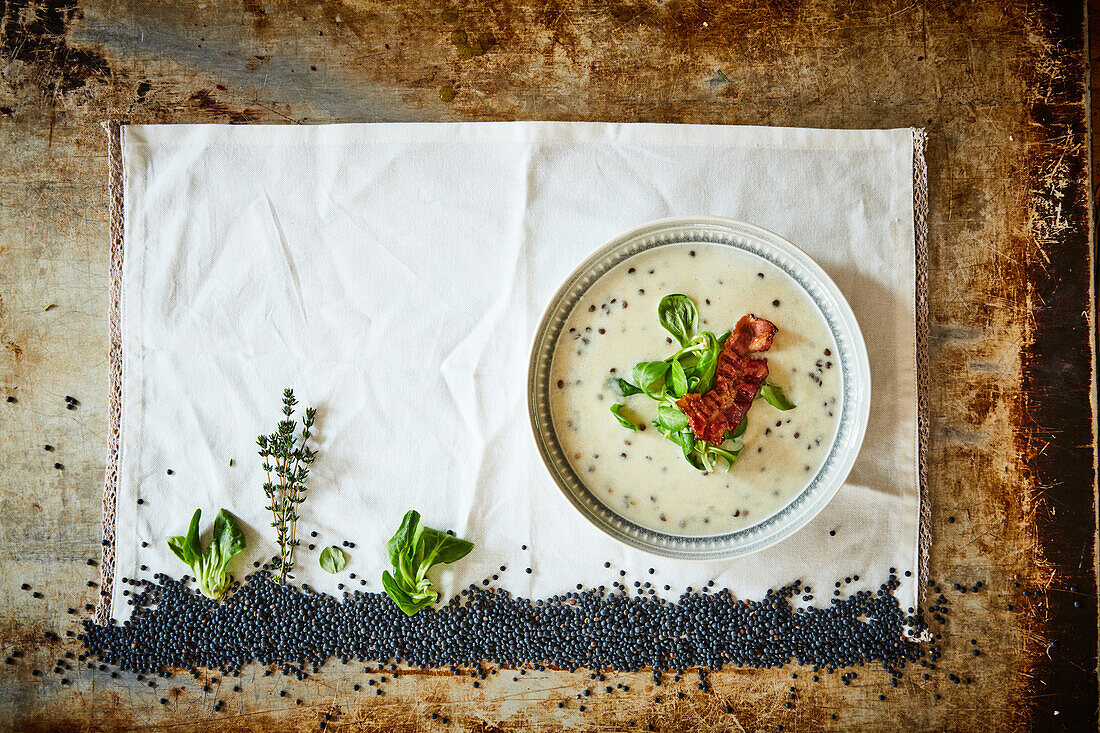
(738, 378)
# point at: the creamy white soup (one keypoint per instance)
(644, 477)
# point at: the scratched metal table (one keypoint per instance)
(1002, 88)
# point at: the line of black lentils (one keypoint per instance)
(173, 626)
(600, 629)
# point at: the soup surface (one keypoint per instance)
(642, 476)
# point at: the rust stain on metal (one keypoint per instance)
(16, 360)
(35, 33)
(1056, 429)
(205, 100)
(260, 21)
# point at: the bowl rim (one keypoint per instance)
(860, 386)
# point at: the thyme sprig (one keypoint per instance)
(287, 456)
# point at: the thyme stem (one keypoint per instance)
(289, 457)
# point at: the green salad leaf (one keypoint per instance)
(187, 547)
(648, 373)
(677, 380)
(671, 418)
(209, 566)
(730, 456)
(623, 388)
(413, 550)
(333, 559)
(740, 429)
(774, 396)
(616, 410)
(707, 362)
(678, 314)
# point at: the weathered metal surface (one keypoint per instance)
(1000, 87)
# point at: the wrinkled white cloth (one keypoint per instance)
(393, 275)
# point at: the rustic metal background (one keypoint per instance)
(1002, 88)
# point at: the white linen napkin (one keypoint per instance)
(393, 275)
